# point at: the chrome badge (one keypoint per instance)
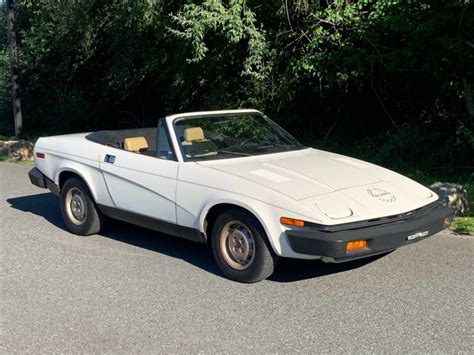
(417, 235)
(381, 194)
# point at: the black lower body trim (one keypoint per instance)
(152, 223)
(37, 178)
(381, 238)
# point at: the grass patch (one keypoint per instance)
(463, 225)
(6, 158)
(5, 138)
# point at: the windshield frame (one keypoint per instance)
(206, 114)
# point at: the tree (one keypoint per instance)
(17, 117)
(379, 74)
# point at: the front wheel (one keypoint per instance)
(78, 208)
(241, 248)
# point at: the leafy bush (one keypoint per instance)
(385, 79)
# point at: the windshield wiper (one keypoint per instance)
(203, 154)
(232, 152)
(275, 144)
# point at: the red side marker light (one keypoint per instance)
(40, 155)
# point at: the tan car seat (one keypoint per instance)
(135, 144)
(194, 134)
(194, 137)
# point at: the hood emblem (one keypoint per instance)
(381, 194)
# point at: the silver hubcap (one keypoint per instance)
(76, 206)
(237, 245)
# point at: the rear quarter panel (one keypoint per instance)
(76, 154)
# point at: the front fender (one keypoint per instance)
(228, 201)
(269, 218)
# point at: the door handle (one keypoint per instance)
(109, 159)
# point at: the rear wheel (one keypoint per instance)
(241, 248)
(78, 208)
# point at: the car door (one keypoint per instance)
(142, 184)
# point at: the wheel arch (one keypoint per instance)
(211, 211)
(66, 173)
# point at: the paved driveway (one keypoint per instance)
(133, 290)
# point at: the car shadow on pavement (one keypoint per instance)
(46, 205)
(290, 270)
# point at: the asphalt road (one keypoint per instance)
(133, 290)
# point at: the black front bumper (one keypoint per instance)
(330, 242)
(37, 178)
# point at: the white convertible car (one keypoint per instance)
(239, 182)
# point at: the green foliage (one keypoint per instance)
(5, 92)
(382, 79)
(235, 22)
(244, 127)
(467, 135)
(6, 158)
(463, 225)
(6, 123)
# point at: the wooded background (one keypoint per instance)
(389, 81)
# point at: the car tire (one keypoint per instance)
(78, 208)
(241, 248)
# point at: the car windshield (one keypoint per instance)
(231, 135)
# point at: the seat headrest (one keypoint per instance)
(193, 134)
(135, 144)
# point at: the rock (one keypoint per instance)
(20, 150)
(452, 195)
(4, 148)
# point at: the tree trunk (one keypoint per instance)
(18, 120)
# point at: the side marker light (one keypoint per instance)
(356, 245)
(291, 222)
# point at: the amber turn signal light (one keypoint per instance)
(291, 222)
(356, 245)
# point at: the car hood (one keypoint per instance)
(310, 172)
